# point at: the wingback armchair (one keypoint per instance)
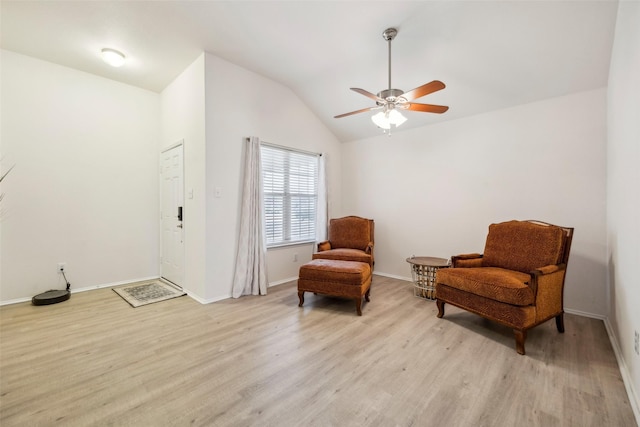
(350, 239)
(518, 281)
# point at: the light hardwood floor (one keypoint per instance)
(263, 361)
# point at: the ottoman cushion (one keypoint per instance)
(344, 272)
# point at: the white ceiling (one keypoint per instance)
(490, 54)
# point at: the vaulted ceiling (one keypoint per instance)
(490, 54)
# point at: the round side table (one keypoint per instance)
(423, 272)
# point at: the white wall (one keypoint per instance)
(623, 196)
(85, 187)
(214, 105)
(183, 119)
(434, 191)
(240, 103)
(85, 191)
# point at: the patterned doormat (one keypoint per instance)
(148, 293)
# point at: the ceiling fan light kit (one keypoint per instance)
(384, 120)
(391, 100)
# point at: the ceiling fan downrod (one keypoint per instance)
(389, 94)
(389, 34)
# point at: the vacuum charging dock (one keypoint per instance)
(54, 296)
(51, 297)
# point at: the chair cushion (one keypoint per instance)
(344, 254)
(507, 286)
(350, 232)
(523, 246)
(515, 316)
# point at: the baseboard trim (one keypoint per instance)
(223, 297)
(624, 371)
(585, 314)
(203, 300)
(283, 281)
(87, 288)
(393, 276)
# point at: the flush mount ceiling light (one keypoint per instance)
(113, 57)
(391, 100)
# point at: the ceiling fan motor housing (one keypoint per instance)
(389, 95)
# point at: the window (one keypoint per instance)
(290, 188)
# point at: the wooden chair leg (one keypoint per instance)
(359, 306)
(560, 322)
(520, 337)
(366, 295)
(440, 305)
(301, 297)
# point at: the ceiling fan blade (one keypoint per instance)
(355, 112)
(426, 108)
(368, 94)
(423, 90)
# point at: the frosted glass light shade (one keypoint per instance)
(113, 57)
(396, 118)
(384, 120)
(381, 120)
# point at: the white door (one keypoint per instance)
(171, 215)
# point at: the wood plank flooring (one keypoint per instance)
(263, 361)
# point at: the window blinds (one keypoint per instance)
(290, 187)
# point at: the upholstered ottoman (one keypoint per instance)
(348, 279)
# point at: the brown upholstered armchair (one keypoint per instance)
(350, 239)
(518, 281)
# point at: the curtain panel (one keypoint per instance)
(322, 202)
(250, 277)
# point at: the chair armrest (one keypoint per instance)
(547, 284)
(466, 260)
(548, 269)
(324, 246)
(369, 249)
(540, 274)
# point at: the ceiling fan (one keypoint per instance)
(389, 101)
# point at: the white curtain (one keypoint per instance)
(323, 208)
(250, 276)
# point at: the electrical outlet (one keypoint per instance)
(62, 266)
(295, 257)
(636, 343)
